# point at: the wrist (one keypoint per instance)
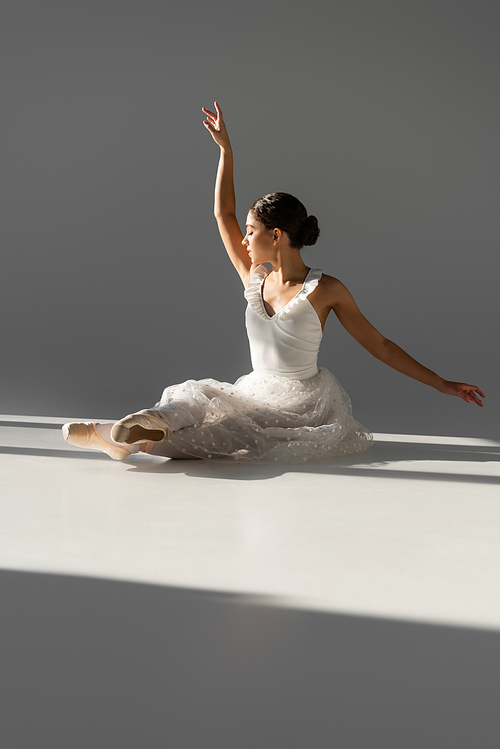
(440, 384)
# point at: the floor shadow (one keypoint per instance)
(377, 462)
(41, 452)
(30, 424)
(369, 464)
(101, 663)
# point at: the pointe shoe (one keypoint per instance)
(83, 434)
(140, 428)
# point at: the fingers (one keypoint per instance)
(211, 121)
(214, 116)
(469, 395)
(472, 398)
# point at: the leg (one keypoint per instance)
(167, 450)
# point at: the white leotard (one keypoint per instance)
(286, 343)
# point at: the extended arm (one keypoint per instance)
(389, 352)
(225, 201)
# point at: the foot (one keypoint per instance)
(140, 428)
(83, 434)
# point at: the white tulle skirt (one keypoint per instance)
(264, 418)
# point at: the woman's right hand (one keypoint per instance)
(216, 126)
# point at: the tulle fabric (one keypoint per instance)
(262, 417)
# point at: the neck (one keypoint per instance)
(288, 266)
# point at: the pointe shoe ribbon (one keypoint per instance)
(140, 428)
(83, 434)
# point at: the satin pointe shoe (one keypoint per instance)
(83, 434)
(140, 428)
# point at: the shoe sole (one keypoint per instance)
(136, 433)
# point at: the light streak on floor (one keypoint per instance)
(409, 530)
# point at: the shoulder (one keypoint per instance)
(332, 292)
(331, 295)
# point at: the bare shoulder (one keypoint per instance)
(332, 293)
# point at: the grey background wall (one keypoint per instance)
(382, 116)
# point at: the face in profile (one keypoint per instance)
(258, 240)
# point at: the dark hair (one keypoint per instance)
(280, 210)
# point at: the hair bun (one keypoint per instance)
(280, 210)
(309, 231)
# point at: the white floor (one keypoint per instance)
(156, 603)
(410, 530)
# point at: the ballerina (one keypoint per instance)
(287, 409)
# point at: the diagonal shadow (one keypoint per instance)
(106, 663)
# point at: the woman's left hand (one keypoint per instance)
(466, 392)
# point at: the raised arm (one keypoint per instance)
(225, 201)
(340, 300)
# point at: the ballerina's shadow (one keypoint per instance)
(401, 460)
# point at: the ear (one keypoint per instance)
(276, 235)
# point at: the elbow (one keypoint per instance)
(382, 349)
